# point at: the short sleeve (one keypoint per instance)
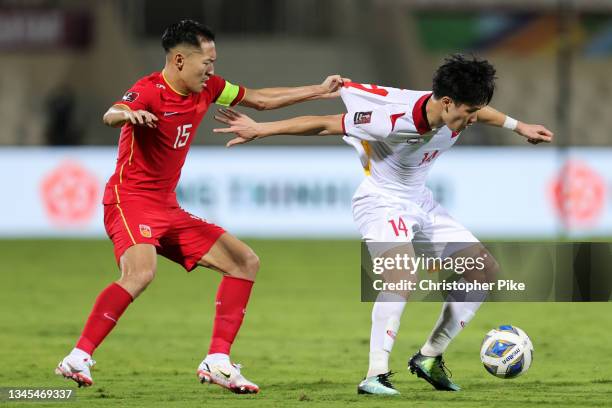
(378, 124)
(223, 92)
(138, 97)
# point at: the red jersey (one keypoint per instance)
(150, 160)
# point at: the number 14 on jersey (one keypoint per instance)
(399, 227)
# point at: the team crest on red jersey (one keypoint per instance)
(362, 118)
(130, 96)
(145, 230)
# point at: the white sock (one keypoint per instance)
(217, 358)
(456, 313)
(386, 315)
(454, 317)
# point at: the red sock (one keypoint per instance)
(109, 306)
(232, 298)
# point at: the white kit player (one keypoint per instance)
(399, 134)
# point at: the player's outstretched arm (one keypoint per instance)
(273, 98)
(119, 115)
(247, 130)
(533, 133)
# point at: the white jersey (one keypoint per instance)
(389, 129)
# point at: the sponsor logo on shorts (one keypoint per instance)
(130, 96)
(145, 230)
(362, 118)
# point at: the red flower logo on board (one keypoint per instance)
(578, 194)
(70, 193)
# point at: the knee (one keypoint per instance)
(137, 279)
(250, 265)
(486, 270)
(247, 267)
(146, 276)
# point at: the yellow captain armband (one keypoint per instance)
(228, 95)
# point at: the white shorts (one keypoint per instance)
(386, 220)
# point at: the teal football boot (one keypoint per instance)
(378, 385)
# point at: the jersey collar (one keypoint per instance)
(163, 75)
(419, 115)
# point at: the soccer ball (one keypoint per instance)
(506, 352)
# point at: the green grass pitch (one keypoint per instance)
(304, 341)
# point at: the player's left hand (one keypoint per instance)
(245, 128)
(330, 88)
(534, 133)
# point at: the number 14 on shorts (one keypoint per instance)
(399, 227)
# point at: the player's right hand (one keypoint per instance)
(141, 118)
(534, 134)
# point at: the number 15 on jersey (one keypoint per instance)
(182, 135)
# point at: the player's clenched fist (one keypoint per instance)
(331, 86)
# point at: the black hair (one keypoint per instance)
(186, 32)
(467, 80)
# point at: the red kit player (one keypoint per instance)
(159, 116)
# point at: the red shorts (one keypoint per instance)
(176, 234)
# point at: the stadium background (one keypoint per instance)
(64, 62)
